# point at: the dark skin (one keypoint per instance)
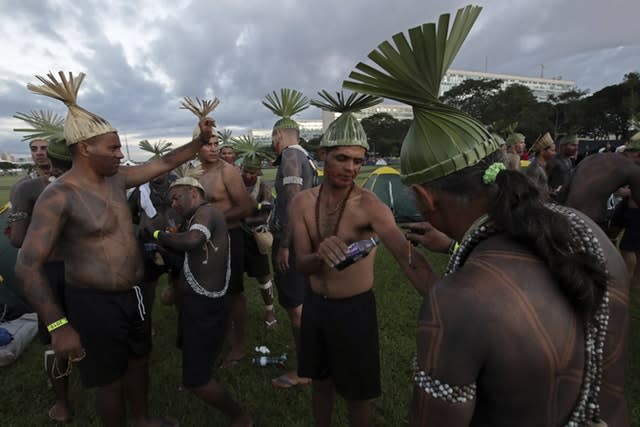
(483, 324)
(189, 202)
(596, 177)
(364, 215)
(85, 215)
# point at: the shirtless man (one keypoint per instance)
(544, 150)
(334, 351)
(597, 177)
(224, 189)
(559, 168)
(227, 154)
(40, 159)
(84, 214)
(23, 200)
(202, 287)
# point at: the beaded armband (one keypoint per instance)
(17, 216)
(439, 390)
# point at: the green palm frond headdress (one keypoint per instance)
(80, 124)
(49, 126)
(285, 105)
(201, 108)
(346, 129)
(224, 135)
(251, 152)
(158, 149)
(441, 140)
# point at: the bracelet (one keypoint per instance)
(156, 234)
(453, 247)
(259, 206)
(57, 324)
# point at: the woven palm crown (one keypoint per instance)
(251, 152)
(49, 126)
(346, 130)
(542, 143)
(201, 108)
(441, 140)
(80, 124)
(285, 105)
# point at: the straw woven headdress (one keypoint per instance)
(542, 143)
(441, 140)
(285, 105)
(80, 124)
(201, 108)
(346, 130)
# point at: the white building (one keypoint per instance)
(540, 87)
(397, 111)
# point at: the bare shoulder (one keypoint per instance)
(305, 198)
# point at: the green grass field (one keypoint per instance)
(26, 399)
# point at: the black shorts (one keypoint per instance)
(291, 284)
(236, 239)
(255, 263)
(202, 325)
(339, 340)
(54, 272)
(113, 327)
(630, 241)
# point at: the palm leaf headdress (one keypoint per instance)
(225, 137)
(251, 152)
(80, 124)
(441, 140)
(346, 129)
(200, 107)
(285, 105)
(49, 126)
(158, 149)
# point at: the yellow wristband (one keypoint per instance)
(156, 234)
(58, 323)
(259, 206)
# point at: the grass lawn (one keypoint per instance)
(26, 399)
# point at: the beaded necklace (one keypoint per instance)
(341, 206)
(587, 408)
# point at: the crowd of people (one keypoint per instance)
(528, 326)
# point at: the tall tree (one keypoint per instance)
(473, 96)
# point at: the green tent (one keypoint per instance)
(385, 183)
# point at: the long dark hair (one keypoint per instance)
(516, 209)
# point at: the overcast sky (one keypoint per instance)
(142, 57)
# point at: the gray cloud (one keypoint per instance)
(142, 57)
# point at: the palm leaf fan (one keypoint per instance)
(80, 124)
(285, 105)
(441, 139)
(346, 129)
(44, 125)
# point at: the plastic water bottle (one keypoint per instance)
(266, 360)
(358, 250)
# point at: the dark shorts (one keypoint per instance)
(202, 325)
(339, 340)
(113, 327)
(291, 284)
(54, 272)
(255, 263)
(236, 238)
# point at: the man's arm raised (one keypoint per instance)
(48, 218)
(138, 175)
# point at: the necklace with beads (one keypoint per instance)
(587, 408)
(339, 207)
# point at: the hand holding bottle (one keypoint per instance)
(337, 254)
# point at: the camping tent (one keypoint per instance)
(385, 183)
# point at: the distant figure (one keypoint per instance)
(227, 154)
(516, 144)
(559, 168)
(544, 150)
